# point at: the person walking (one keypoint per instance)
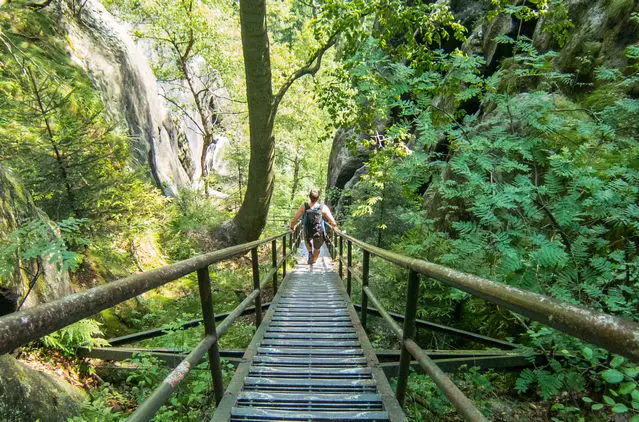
(313, 214)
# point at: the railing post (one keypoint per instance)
(208, 316)
(341, 258)
(274, 260)
(364, 284)
(283, 257)
(256, 285)
(349, 265)
(409, 331)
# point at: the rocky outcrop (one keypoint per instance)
(30, 395)
(16, 207)
(602, 31)
(343, 163)
(170, 144)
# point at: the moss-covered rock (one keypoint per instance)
(29, 395)
(16, 208)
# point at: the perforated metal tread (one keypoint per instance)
(309, 362)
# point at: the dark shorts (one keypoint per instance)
(316, 241)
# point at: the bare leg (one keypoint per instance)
(316, 254)
(309, 247)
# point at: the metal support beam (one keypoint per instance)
(349, 266)
(341, 258)
(256, 285)
(274, 263)
(208, 315)
(408, 332)
(365, 268)
(284, 264)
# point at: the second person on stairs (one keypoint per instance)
(313, 214)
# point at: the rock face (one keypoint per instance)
(171, 146)
(17, 207)
(602, 31)
(343, 165)
(30, 395)
(600, 36)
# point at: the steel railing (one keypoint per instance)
(609, 332)
(21, 327)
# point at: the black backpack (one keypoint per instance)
(313, 221)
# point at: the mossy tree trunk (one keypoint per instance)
(251, 218)
(262, 106)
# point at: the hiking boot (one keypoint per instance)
(310, 258)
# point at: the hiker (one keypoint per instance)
(313, 224)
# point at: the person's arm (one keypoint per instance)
(327, 213)
(298, 214)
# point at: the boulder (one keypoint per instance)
(30, 395)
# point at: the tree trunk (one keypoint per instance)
(296, 177)
(251, 218)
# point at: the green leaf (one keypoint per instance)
(632, 371)
(609, 400)
(612, 376)
(627, 387)
(620, 408)
(634, 418)
(597, 406)
(587, 353)
(616, 361)
(586, 399)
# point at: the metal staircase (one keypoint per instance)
(310, 359)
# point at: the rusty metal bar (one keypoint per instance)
(157, 332)
(341, 258)
(395, 328)
(284, 255)
(208, 315)
(618, 335)
(21, 327)
(159, 396)
(365, 268)
(420, 323)
(454, 394)
(274, 262)
(349, 266)
(256, 285)
(412, 295)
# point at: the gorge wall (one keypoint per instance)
(171, 146)
(601, 32)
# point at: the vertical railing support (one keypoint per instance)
(208, 316)
(274, 260)
(408, 333)
(349, 266)
(256, 285)
(364, 284)
(284, 256)
(341, 258)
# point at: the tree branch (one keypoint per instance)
(310, 68)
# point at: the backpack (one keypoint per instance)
(313, 221)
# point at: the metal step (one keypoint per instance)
(309, 385)
(308, 343)
(301, 361)
(257, 414)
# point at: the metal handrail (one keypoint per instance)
(21, 327)
(612, 333)
(615, 334)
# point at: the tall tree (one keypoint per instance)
(262, 105)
